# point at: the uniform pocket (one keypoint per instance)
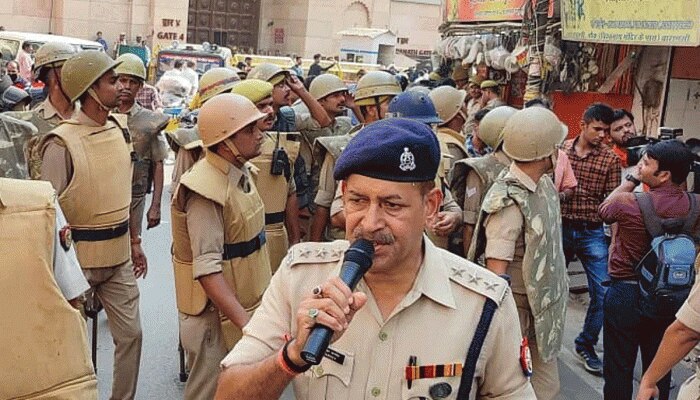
(331, 379)
(432, 388)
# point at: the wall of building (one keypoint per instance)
(83, 18)
(301, 27)
(311, 26)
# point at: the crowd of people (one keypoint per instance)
(474, 210)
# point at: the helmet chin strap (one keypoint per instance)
(95, 97)
(236, 154)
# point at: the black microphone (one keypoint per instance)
(357, 261)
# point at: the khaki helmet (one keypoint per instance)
(532, 134)
(216, 81)
(254, 90)
(448, 102)
(52, 54)
(268, 72)
(325, 85)
(375, 84)
(459, 73)
(82, 70)
(224, 115)
(131, 65)
(491, 126)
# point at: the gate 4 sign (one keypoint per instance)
(488, 10)
(643, 22)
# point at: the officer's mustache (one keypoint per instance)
(376, 237)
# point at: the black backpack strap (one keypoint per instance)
(651, 220)
(692, 217)
(469, 368)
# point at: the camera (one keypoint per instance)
(637, 145)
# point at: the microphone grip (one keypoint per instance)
(316, 344)
(320, 337)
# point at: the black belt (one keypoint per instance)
(244, 249)
(98, 235)
(274, 218)
(581, 224)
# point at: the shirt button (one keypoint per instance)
(319, 370)
(376, 391)
(383, 336)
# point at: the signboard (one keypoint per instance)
(643, 22)
(167, 29)
(488, 10)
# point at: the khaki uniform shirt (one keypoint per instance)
(48, 112)
(505, 236)
(374, 352)
(205, 223)
(475, 192)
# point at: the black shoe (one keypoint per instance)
(590, 359)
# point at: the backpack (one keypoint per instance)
(666, 273)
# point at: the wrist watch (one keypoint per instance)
(631, 178)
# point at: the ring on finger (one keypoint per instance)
(313, 313)
(318, 292)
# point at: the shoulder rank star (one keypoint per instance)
(65, 237)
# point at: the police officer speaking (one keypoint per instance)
(382, 345)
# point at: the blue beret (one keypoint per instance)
(394, 149)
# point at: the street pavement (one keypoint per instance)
(159, 373)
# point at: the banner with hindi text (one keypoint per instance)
(642, 22)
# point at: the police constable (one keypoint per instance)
(219, 251)
(276, 186)
(290, 120)
(373, 94)
(88, 161)
(184, 140)
(522, 226)
(151, 149)
(332, 93)
(451, 108)
(37, 258)
(57, 107)
(473, 177)
(382, 331)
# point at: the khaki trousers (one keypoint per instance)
(204, 345)
(545, 375)
(119, 294)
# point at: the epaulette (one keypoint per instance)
(476, 278)
(316, 253)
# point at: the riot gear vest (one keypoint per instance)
(97, 199)
(45, 352)
(247, 270)
(273, 191)
(144, 125)
(44, 118)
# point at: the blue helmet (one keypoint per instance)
(414, 105)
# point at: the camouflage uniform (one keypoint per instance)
(150, 147)
(486, 169)
(44, 118)
(544, 267)
(14, 134)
